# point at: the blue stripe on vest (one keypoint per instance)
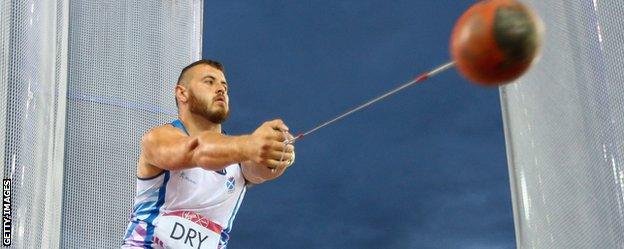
(161, 200)
(178, 124)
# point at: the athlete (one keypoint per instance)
(191, 176)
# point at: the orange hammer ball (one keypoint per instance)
(495, 41)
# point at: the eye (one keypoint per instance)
(209, 82)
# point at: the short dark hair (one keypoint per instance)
(212, 63)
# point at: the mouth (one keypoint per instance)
(219, 99)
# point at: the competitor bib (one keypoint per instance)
(186, 230)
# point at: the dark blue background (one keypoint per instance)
(425, 168)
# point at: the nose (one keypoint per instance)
(221, 90)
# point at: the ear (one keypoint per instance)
(181, 93)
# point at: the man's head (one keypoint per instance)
(202, 90)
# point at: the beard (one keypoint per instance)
(213, 113)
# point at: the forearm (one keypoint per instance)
(174, 154)
(256, 173)
(216, 151)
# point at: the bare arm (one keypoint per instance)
(167, 148)
(258, 173)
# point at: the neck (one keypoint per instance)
(196, 123)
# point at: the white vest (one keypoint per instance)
(192, 208)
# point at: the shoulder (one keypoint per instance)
(152, 140)
(165, 128)
(162, 132)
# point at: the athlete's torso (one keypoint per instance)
(212, 196)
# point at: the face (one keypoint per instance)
(208, 93)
